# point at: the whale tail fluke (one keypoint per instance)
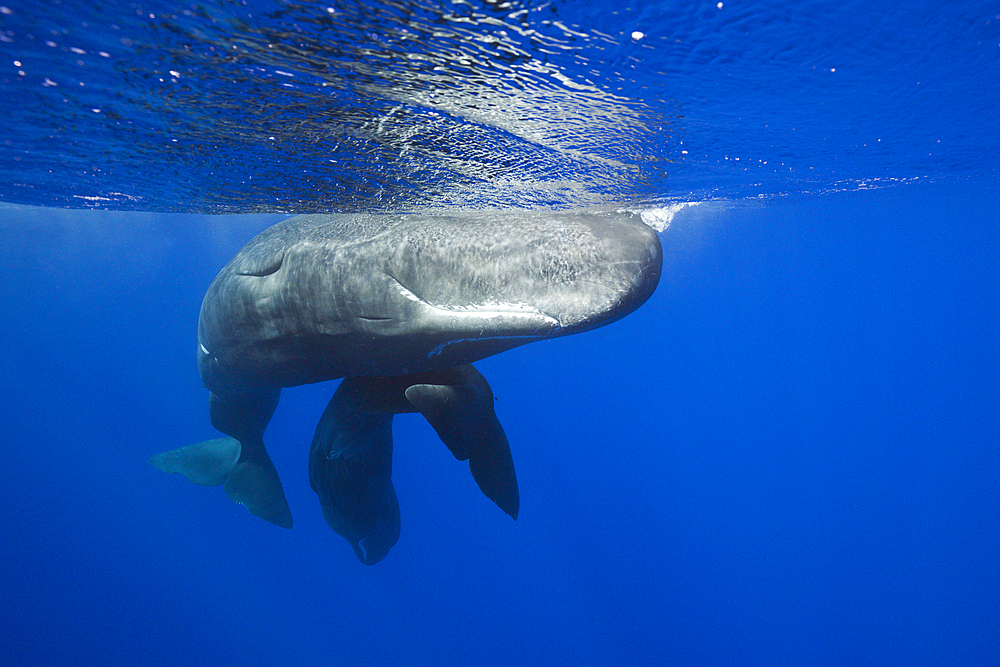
(254, 483)
(464, 418)
(250, 478)
(205, 463)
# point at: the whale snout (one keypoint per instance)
(616, 272)
(643, 245)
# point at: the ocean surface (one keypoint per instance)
(789, 456)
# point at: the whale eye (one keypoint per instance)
(260, 269)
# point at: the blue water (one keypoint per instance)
(790, 455)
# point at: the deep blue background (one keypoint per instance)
(788, 456)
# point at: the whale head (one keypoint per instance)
(485, 281)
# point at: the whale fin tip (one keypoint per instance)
(205, 463)
(255, 485)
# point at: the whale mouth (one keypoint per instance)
(480, 311)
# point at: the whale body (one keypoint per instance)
(400, 306)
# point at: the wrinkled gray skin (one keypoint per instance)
(400, 306)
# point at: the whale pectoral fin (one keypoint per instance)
(466, 422)
(254, 483)
(350, 467)
(206, 463)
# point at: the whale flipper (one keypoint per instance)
(465, 420)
